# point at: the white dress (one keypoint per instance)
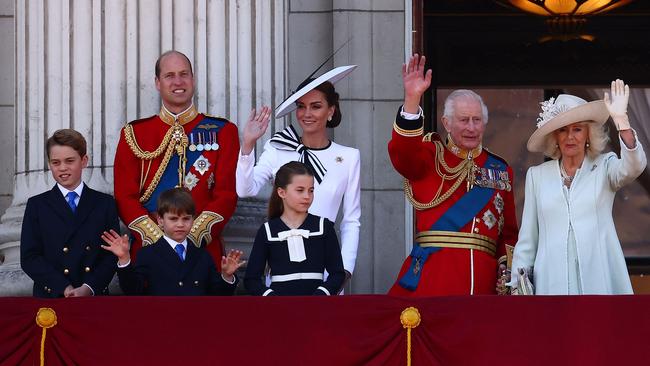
(569, 239)
(340, 185)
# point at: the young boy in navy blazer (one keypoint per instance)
(61, 233)
(173, 266)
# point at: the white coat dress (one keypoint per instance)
(544, 234)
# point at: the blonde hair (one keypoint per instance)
(597, 140)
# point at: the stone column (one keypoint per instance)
(89, 65)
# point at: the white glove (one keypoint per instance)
(617, 107)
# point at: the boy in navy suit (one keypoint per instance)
(173, 266)
(61, 234)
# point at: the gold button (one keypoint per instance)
(180, 283)
(65, 249)
(476, 230)
(87, 269)
(45, 288)
(478, 220)
(66, 271)
(49, 290)
(196, 283)
(87, 247)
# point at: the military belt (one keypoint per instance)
(452, 239)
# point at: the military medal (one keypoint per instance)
(201, 165)
(417, 266)
(215, 145)
(489, 219)
(208, 143)
(498, 203)
(211, 180)
(190, 181)
(199, 146)
(192, 146)
(500, 226)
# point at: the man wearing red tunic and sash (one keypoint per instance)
(462, 194)
(177, 147)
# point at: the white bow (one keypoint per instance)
(294, 243)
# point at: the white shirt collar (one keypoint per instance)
(173, 243)
(65, 191)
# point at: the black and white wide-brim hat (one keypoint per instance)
(563, 111)
(332, 76)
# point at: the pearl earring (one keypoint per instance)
(587, 144)
(329, 119)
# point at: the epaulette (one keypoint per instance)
(431, 136)
(216, 117)
(141, 119)
(495, 155)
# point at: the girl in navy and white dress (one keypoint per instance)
(297, 245)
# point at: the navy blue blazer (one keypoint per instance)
(159, 271)
(60, 248)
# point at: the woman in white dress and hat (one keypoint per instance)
(567, 239)
(336, 167)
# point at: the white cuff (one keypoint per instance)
(92, 292)
(324, 290)
(267, 292)
(411, 116)
(123, 265)
(234, 278)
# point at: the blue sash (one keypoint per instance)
(169, 178)
(457, 216)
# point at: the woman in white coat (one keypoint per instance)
(336, 167)
(567, 238)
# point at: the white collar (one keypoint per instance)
(173, 243)
(65, 191)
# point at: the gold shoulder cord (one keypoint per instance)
(174, 140)
(459, 173)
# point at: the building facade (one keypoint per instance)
(89, 65)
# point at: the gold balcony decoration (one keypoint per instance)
(565, 18)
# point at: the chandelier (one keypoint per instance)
(565, 18)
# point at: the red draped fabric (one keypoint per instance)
(339, 330)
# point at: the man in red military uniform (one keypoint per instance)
(177, 147)
(462, 194)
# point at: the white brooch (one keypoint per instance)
(191, 180)
(549, 111)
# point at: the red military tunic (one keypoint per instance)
(459, 266)
(210, 178)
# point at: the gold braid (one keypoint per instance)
(156, 178)
(174, 140)
(459, 173)
(129, 136)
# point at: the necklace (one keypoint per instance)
(566, 178)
